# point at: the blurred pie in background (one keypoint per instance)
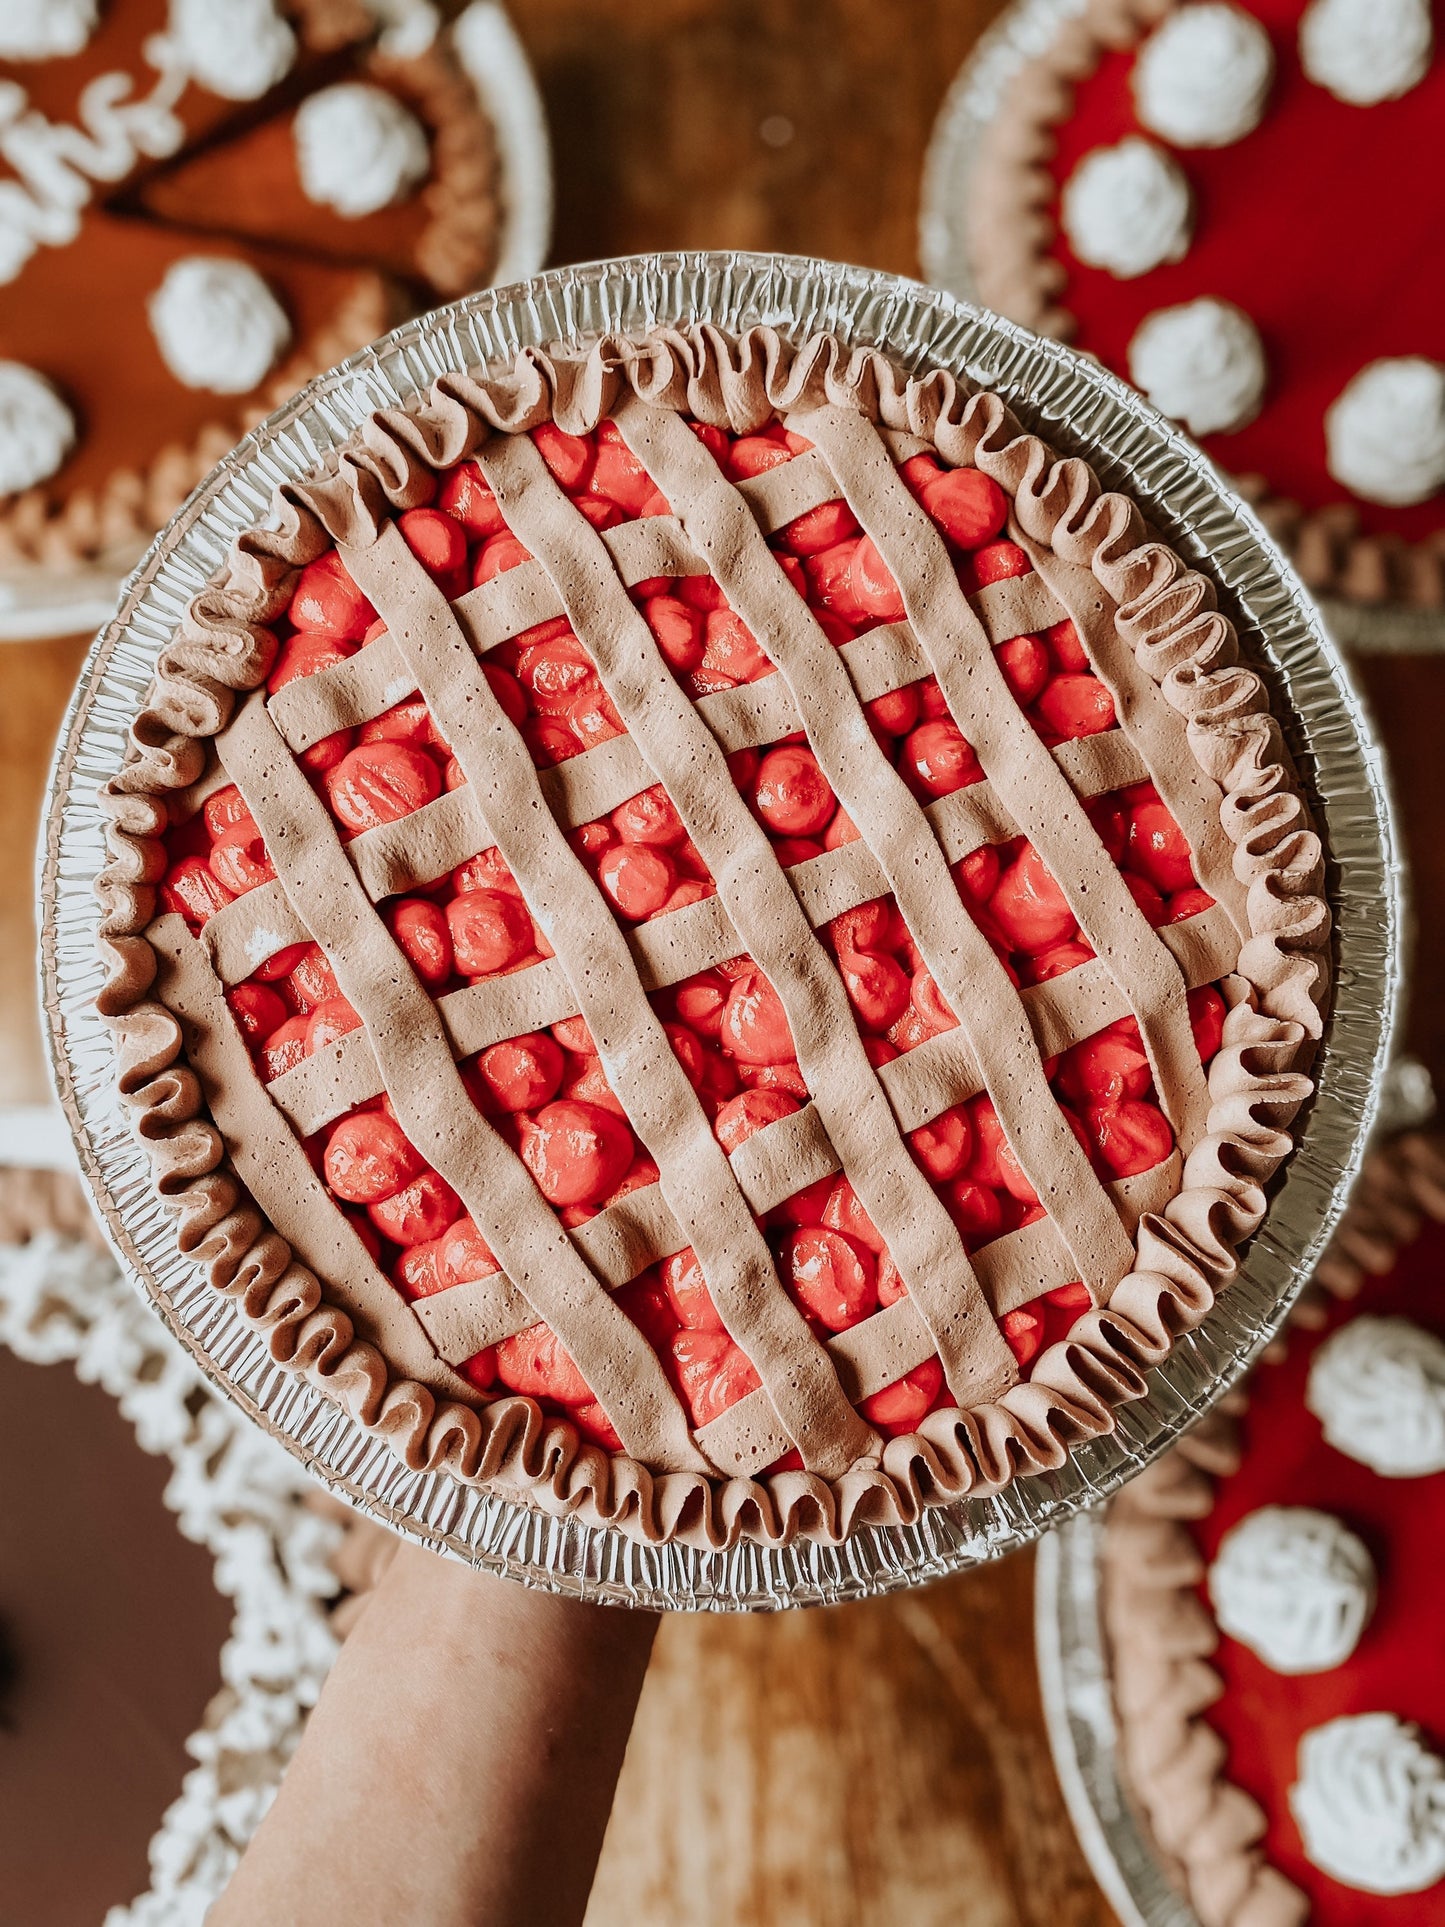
(202, 204)
(1198, 195)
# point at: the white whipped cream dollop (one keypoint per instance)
(218, 325)
(1370, 1803)
(1203, 76)
(1295, 1585)
(45, 29)
(1385, 431)
(37, 430)
(1202, 363)
(1126, 208)
(358, 149)
(1366, 51)
(238, 49)
(1378, 1389)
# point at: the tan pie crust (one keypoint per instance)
(1160, 1632)
(1009, 228)
(1150, 623)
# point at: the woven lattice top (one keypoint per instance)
(713, 918)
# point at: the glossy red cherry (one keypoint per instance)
(193, 890)
(755, 1025)
(438, 543)
(467, 494)
(900, 1407)
(464, 1254)
(569, 457)
(792, 795)
(1025, 665)
(523, 1073)
(535, 1364)
(1029, 907)
(496, 555)
(1128, 1137)
(712, 1374)
(1066, 648)
(1159, 849)
(490, 931)
(843, 1211)
(310, 980)
(678, 630)
(1103, 1069)
(1074, 706)
(969, 507)
(240, 861)
(751, 1111)
(876, 987)
(332, 1019)
(871, 583)
(818, 529)
(368, 1158)
(257, 1009)
(942, 1147)
(683, 1281)
(327, 600)
(379, 783)
(831, 1277)
(418, 1213)
(998, 562)
(577, 1152)
(424, 937)
(939, 759)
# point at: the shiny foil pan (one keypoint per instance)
(1078, 1696)
(1076, 406)
(1020, 34)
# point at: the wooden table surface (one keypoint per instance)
(873, 1764)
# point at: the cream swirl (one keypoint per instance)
(1366, 51)
(1295, 1585)
(1370, 1804)
(1385, 431)
(1378, 1389)
(45, 29)
(1126, 208)
(1202, 363)
(238, 49)
(217, 324)
(37, 430)
(358, 149)
(1203, 76)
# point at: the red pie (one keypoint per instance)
(1215, 1713)
(1248, 180)
(673, 950)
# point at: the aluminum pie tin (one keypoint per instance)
(1077, 406)
(38, 602)
(1074, 1677)
(1020, 34)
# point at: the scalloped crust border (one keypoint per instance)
(1160, 1632)
(1009, 227)
(1184, 1255)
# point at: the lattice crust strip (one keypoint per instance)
(1206, 744)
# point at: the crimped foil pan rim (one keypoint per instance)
(1020, 33)
(1074, 1679)
(1073, 403)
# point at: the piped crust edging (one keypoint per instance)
(1183, 1256)
(1160, 1633)
(1010, 226)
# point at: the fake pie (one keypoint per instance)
(202, 204)
(1162, 185)
(706, 933)
(1271, 1597)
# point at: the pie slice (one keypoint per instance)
(726, 978)
(171, 131)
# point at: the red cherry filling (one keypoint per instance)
(547, 1091)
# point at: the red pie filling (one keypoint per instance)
(547, 1092)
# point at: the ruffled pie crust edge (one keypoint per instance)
(454, 253)
(1183, 1255)
(1161, 1634)
(1009, 227)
